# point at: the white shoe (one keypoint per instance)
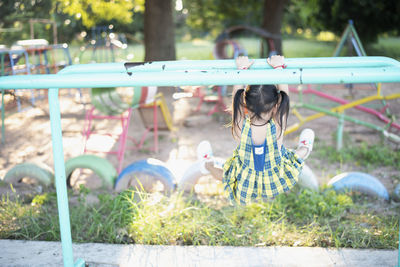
(204, 150)
(204, 154)
(306, 140)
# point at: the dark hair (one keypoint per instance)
(260, 99)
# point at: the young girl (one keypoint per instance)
(261, 167)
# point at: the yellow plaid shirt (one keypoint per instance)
(244, 184)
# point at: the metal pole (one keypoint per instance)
(339, 47)
(60, 179)
(3, 130)
(229, 64)
(196, 78)
(339, 133)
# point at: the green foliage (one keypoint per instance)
(370, 17)
(213, 16)
(94, 11)
(301, 217)
(14, 17)
(305, 206)
(71, 17)
(362, 155)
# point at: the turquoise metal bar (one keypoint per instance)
(60, 179)
(3, 130)
(292, 63)
(174, 78)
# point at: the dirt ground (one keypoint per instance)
(28, 136)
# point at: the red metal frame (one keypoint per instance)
(123, 136)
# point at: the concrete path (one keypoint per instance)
(39, 253)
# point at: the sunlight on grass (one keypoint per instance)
(300, 218)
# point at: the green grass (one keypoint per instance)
(367, 155)
(292, 47)
(300, 218)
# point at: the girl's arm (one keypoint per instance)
(242, 63)
(278, 62)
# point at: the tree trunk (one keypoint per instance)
(272, 20)
(159, 30)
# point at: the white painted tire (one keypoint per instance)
(190, 177)
(307, 179)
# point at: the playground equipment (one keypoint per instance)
(101, 167)
(37, 171)
(152, 108)
(32, 23)
(396, 193)
(206, 94)
(147, 174)
(102, 44)
(359, 182)
(338, 112)
(307, 179)
(350, 35)
(45, 58)
(222, 72)
(224, 40)
(31, 56)
(14, 62)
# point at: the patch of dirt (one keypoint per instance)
(28, 135)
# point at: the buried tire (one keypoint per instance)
(359, 182)
(37, 171)
(99, 166)
(149, 175)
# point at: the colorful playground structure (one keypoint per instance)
(194, 73)
(103, 44)
(152, 108)
(33, 56)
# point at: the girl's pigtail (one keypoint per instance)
(238, 102)
(283, 110)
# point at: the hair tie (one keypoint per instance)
(244, 94)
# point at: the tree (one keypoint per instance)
(272, 19)
(216, 15)
(159, 30)
(94, 11)
(14, 17)
(370, 17)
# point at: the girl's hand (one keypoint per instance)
(243, 62)
(276, 61)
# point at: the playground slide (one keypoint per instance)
(145, 174)
(38, 171)
(359, 182)
(99, 166)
